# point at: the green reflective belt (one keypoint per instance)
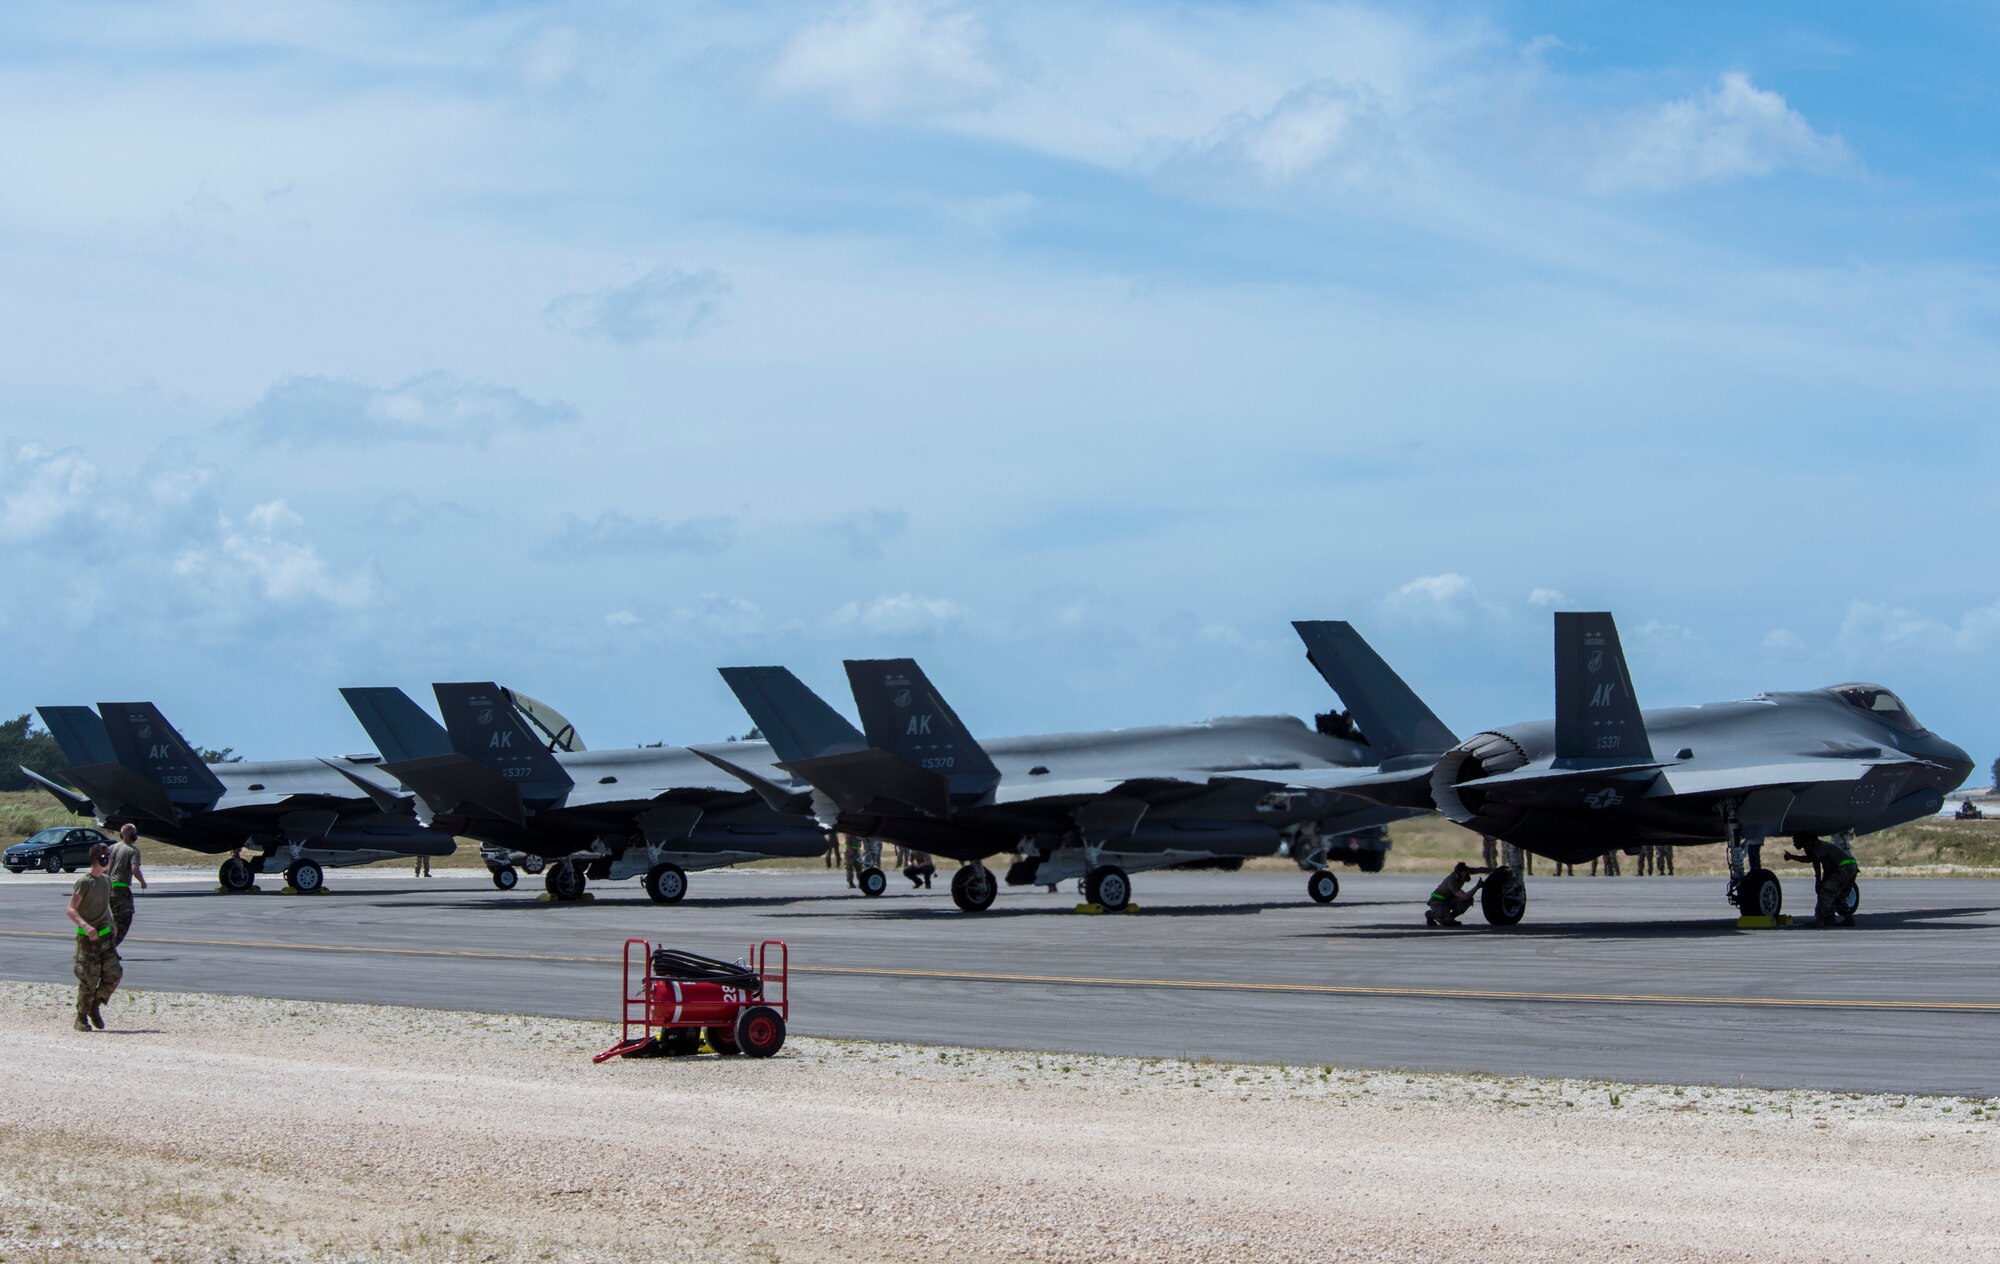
(1849, 861)
(86, 932)
(126, 885)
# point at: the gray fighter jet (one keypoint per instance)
(509, 771)
(130, 767)
(1092, 805)
(1822, 763)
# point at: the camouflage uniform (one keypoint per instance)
(850, 847)
(123, 856)
(1838, 871)
(1663, 861)
(98, 968)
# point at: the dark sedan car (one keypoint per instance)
(59, 850)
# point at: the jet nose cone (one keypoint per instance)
(1957, 761)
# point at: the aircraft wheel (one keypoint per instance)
(722, 1039)
(1323, 886)
(973, 888)
(1759, 894)
(1504, 898)
(305, 876)
(564, 881)
(760, 1031)
(52, 863)
(873, 882)
(1108, 888)
(666, 883)
(534, 864)
(235, 874)
(506, 877)
(1850, 901)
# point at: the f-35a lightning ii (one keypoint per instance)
(508, 771)
(130, 767)
(1823, 763)
(1091, 805)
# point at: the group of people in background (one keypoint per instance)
(856, 853)
(1652, 861)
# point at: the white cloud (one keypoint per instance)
(716, 615)
(888, 57)
(305, 411)
(1730, 131)
(44, 491)
(1449, 600)
(1783, 641)
(1874, 629)
(621, 619)
(905, 614)
(1328, 129)
(1543, 598)
(664, 303)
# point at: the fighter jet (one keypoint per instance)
(129, 766)
(510, 772)
(1832, 763)
(1092, 805)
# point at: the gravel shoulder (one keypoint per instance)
(220, 1128)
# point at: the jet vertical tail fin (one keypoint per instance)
(1597, 714)
(902, 713)
(146, 744)
(399, 728)
(80, 733)
(485, 728)
(797, 722)
(1393, 719)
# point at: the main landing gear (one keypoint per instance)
(565, 881)
(305, 876)
(666, 883)
(1504, 898)
(1323, 886)
(1108, 888)
(236, 874)
(973, 888)
(874, 882)
(506, 877)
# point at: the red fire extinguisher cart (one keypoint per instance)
(673, 1001)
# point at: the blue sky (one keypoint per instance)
(1073, 350)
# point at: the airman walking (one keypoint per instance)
(124, 870)
(98, 968)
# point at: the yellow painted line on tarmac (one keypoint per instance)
(1084, 980)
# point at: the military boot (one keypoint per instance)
(81, 1025)
(97, 1015)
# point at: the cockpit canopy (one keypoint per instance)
(556, 732)
(1881, 704)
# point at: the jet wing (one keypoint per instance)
(1754, 776)
(1406, 787)
(778, 796)
(855, 779)
(76, 803)
(116, 790)
(448, 783)
(382, 797)
(1151, 789)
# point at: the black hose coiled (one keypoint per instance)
(672, 963)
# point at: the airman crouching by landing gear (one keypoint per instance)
(1451, 899)
(1835, 874)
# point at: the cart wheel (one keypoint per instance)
(235, 874)
(873, 882)
(564, 881)
(506, 877)
(1108, 888)
(760, 1031)
(1323, 886)
(666, 883)
(305, 876)
(721, 1039)
(973, 888)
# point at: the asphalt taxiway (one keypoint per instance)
(1639, 979)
